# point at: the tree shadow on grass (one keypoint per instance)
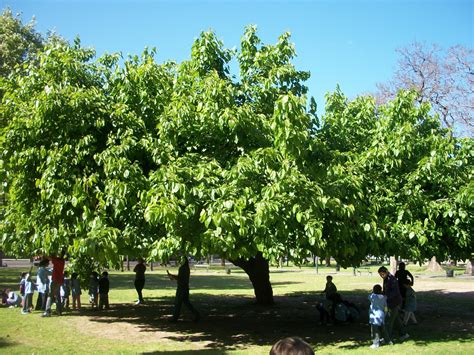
(235, 322)
(219, 281)
(5, 343)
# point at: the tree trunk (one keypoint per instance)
(434, 266)
(259, 273)
(393, 264)
(328, 261)
(470, 267)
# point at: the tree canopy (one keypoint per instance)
(146, 159)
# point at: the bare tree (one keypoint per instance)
(445, 78)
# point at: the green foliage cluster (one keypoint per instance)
(145, 159)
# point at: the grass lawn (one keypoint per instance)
(232, 323)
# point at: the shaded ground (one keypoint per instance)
(235, 322)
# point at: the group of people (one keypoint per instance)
(391, 305)
(50, 285)
(54, 286)
(333, 308)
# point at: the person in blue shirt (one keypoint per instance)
(378, 307)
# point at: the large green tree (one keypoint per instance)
(155, 160)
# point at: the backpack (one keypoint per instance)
(353, 312)
(341, 312)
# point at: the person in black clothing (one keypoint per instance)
(182, 291)
(104, 291)
(139, 271)
(402, 275)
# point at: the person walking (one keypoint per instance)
(139, 271)
(182, 291)
(403, 276)
(394, 303)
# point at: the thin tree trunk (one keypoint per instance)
(393, 264)
(470, 267)
(259, 273)
(328, 261)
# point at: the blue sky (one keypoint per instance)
(350, 43)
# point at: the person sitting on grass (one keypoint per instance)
(378, 307)
(291, 346)
(182, 291)
(5, 295)
(325, 307)
(409, 307)
(13, 299)
(330, 288)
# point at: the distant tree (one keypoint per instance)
(18, 41)
(444, 78)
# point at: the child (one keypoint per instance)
(93, 286)
(29, 290)
(13, 300)
(326, 306)
(5, 296)
(104, 291)
(378, 307)
(22, 287)
(410, 303)
(65, 291)
(330, 288)
(76, 291)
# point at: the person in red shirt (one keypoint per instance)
(57, 280)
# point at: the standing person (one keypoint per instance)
(57, 280)
(76, 291)
(394, 302)
(182, 291)
(29, 290)
(409, 307)
(403, 276)
(22, 287)
(42, 283)
(378, 306)
(65, 291)
(93, 289)
(139, 271)
(104, 291)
